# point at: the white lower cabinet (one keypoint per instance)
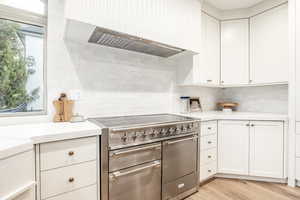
(17, 180)
(233, 147)
(68, 169)
(254, 148)
(208, 150)
(266, 149)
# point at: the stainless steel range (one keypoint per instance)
(149, 157)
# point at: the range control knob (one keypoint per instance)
(178, 130)
(184, 128)
(157, 132)
(172, 130)
(152, 134)
(124, 137)
(164, 131)
(134, 136)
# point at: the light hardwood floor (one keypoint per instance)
(228, 189)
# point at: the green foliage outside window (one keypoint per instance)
(14, 71)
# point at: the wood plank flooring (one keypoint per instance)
(229, 189)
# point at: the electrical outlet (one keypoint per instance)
(75, 95)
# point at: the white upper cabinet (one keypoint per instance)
(233, 147)
(172, 22)
(235, 52)
(266, 149)
(269, 46)
(210, 54)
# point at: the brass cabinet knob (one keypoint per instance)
(71, 153)
(71, 180)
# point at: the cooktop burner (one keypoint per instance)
(141, 120)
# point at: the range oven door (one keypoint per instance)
(179, 166)
(136, 183)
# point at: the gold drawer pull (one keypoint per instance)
(71, 153)
(71, 180)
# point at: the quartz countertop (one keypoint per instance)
(19, 138)
(219, 115)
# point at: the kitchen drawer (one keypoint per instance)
(61, 180)
(179, 186)
(298, 146)
(208, 142)
(89, 193)
(124, 158)
(208, 128)
(68, 152)
(207, 156)
(16, 172)
(208, 170)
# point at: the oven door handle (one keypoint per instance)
(183, 140)
(135, 150)
(118, 174)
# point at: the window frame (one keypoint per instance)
(22, 16)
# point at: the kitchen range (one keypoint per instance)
(149, 157)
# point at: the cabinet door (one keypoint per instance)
(210, 55)
(235, 52)
(266, 149)
(233, 147)
(269, 46)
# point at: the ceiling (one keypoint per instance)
(232, 4)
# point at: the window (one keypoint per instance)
(22, 45)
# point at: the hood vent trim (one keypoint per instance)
(119, 40)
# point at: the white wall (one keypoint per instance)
(270, 99)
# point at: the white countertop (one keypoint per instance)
(219, 115)
(19, 138)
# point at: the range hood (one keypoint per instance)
(119, 40)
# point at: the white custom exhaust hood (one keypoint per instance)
(159, 28)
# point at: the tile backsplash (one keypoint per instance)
(270, 99)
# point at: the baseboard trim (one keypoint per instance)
(252, 178)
